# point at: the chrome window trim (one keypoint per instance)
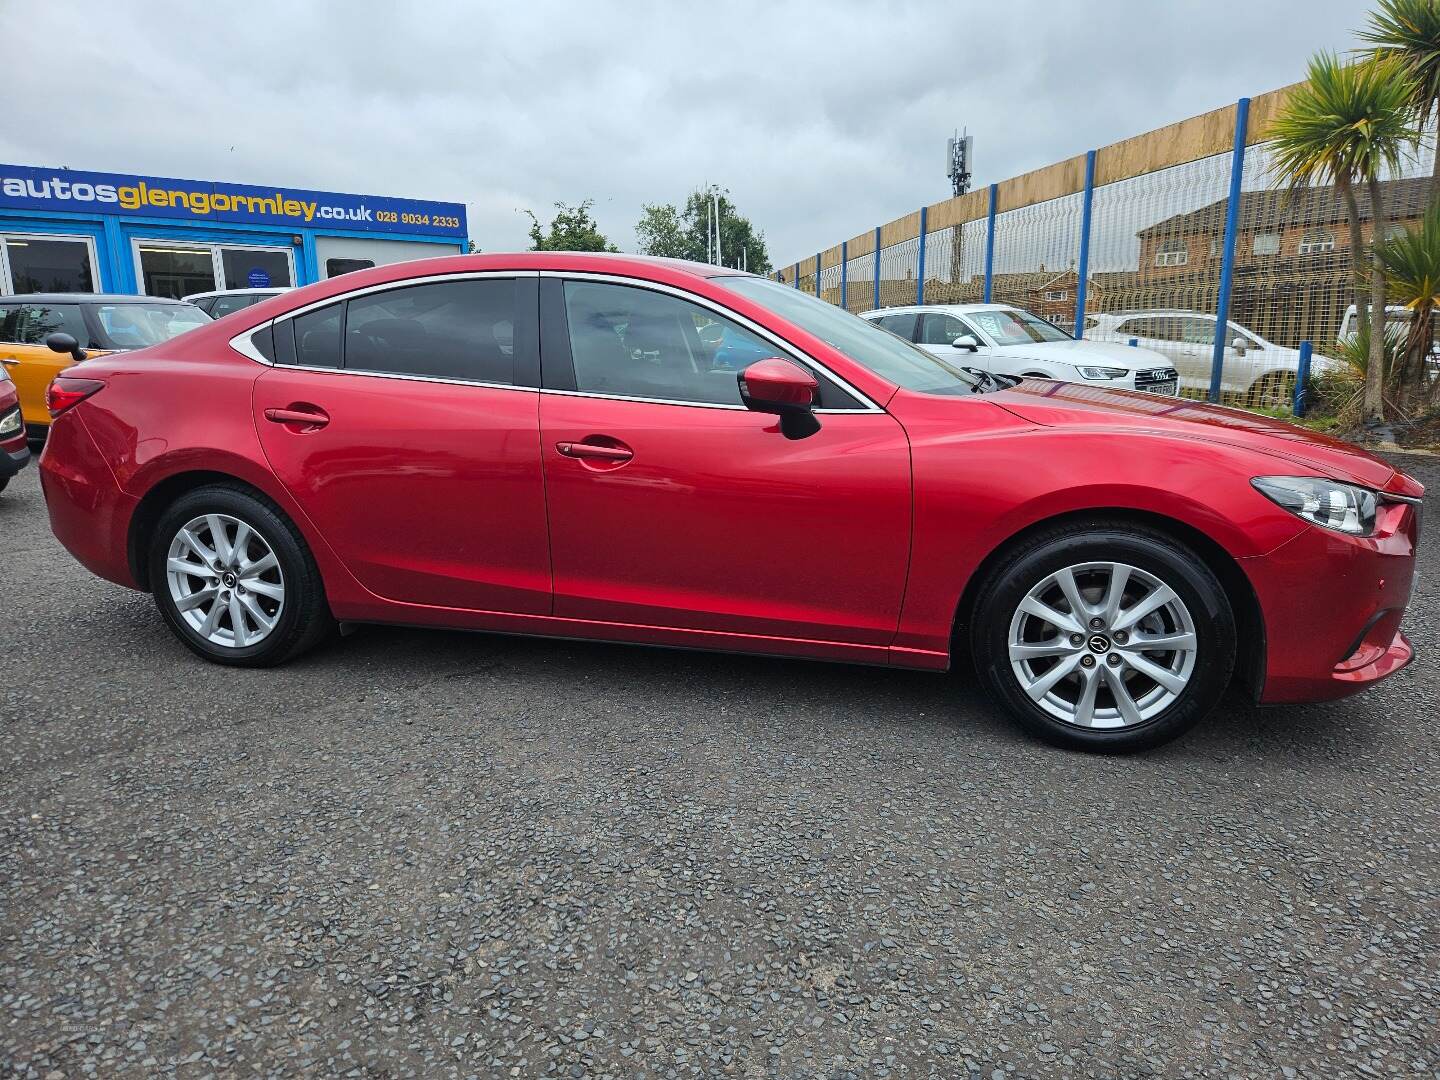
(790, 351)
(243, 344)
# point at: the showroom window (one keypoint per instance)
(177, 270)
(46, 264)
(447, 330)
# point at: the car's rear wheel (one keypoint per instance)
(235, 580)
(1274, 391)
(1112, 638)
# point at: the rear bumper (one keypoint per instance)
(1333, 605)
(89, 514)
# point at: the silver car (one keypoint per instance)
(1005, 340)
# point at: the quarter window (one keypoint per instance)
(450, 330)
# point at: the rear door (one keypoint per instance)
(673, 505)
(404, 420)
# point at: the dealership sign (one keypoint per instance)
(24, 188)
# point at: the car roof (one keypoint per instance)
(86, 298)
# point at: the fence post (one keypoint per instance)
(817, 273)
(845, 275)
(1227, 258)
(796, 270)
(876, 304)
(1084, 269)
(1302, 380)
(920, 272)
(990, 243)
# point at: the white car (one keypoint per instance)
(1252, 365)
(1006, 340)
(222, 302)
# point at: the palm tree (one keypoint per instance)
(1409, 31)
(1347, 124)
(1412, 271)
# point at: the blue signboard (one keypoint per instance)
(258, 279)
(25, 188)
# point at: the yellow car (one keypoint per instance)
(33, 355)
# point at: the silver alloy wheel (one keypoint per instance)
(225, 581)
(1102, 645)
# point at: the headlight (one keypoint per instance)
(11, 422)
(1103, 372)
(1327, 503)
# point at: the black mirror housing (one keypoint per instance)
(64, 343)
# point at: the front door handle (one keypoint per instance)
(311, 417)
(595, 450)
(10, 361)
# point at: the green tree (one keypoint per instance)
(571, 229)
(1412, 272)
(677, 233)
(661, 232)
(1345, 125)
(1409, 31)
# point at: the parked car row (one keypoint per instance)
(677, 454)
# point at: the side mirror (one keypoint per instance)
(64, 343)
(1239, 344)
(779, 387)
(966, 342)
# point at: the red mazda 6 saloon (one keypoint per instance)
(665, 453)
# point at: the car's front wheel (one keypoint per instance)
(234, 579)
(1112, 638)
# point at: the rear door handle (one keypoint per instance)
(10, 360)
(311, 416)
(595, 450)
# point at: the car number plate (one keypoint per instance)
(1169, 386)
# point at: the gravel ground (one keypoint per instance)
(437, 853)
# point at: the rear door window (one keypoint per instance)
(448, 330)
(225, 305)
(902, 325)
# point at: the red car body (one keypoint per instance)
(14, 450)
(428, 503)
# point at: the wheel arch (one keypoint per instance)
(162, 494)
(1249, 620)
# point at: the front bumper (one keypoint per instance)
(1332, 606)
(13, 460)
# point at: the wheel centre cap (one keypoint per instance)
(228, 579)
(1099, 643)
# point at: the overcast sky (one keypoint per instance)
(823, 120)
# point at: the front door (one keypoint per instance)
(672, 505)
(938, 331)
(404, 422)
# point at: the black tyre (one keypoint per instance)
(1112, 637)
(4, 482)
(234, 579)
(1274, 391)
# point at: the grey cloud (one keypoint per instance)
(823, 119)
